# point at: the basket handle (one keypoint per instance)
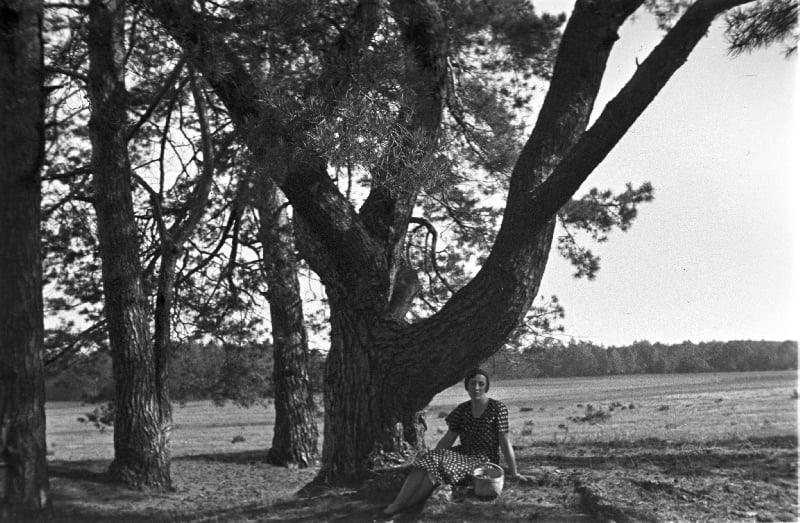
(489, 464)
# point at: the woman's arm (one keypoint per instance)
(447, 440)
(508, 453)
(511, 459)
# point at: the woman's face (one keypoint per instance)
(476, 387)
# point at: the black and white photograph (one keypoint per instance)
(399, 260)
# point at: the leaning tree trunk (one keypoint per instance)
(143, 417)
(294, 442)
(23, 450)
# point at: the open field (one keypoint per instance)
(674, 407)
(700, 447)
(699, 407)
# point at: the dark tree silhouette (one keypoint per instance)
(26, 491)
(143, 414)
(294, 441)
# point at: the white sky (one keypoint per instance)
(715, 256)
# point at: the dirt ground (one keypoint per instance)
(651, 480)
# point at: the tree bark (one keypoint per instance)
(143, 417)
(363, 404)
(23, 449)
(294, 442)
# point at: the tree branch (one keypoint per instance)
(51, 69)
(387, 210)
(353, 40)
(434, 237)
(621, 112)
(220, 244)
(199, 197)
(168, 83)
(86, 169)
(498, 297)
(277, 144)
(74, 346)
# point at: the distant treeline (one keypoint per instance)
(244, 374)
(643, 357)
(197, 371)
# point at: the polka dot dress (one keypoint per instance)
(479, 442)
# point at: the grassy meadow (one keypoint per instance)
(675, 407)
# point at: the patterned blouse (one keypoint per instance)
(479, 436)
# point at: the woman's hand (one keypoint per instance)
(516, 476)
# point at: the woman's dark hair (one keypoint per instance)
(475, 372)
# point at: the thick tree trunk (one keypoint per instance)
(294, 443)
(363, 430)
(23, 450)
(382, 373)
(143, 416)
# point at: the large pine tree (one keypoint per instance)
(381, 369)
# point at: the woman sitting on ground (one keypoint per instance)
(482, 426)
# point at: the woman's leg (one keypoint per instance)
(424, 489)
(417, 482)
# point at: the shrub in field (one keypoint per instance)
(102, 416)
(564, 428)
(527, 428)
(591, 416)
(228, 372)
(86, 377)
(242, 374)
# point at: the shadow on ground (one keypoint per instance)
(747, 480)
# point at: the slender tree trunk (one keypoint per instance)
(294, 443)
(172, 242)
(162, 325)
(143, 418)
(23, 450)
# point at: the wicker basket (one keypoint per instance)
(487, 480)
